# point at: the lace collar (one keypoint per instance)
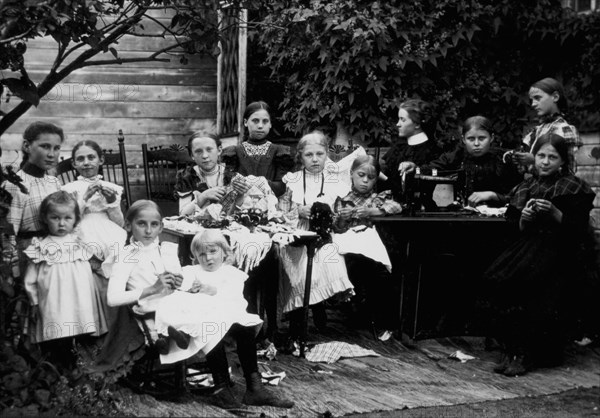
(94, 179)
(256, 149)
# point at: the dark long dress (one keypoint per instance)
(485, 173)
(272, 165)
(271, 161)
(399, 152)
(530, 286)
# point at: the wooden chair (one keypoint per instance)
(160, 170)
(113, 170)
(167, 381)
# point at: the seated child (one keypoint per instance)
(143, 276)
(365, 254)
(485, 178)
(312, 184)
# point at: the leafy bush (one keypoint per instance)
(353, 61)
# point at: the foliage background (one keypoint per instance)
(354, 61)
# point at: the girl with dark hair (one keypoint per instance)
(99, 201)
(256, 155)
(41, 148)
(528, 285)
(205, 183)
(483, 176)
(255, 161)
(549, 101)
(416, 126)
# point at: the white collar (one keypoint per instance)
(90, 180)
(417, 139)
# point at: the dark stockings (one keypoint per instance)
(246, 351)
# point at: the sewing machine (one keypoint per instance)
(433, 193)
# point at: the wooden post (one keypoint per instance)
(242, 69)
(121, 139)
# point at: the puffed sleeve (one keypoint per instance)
(184, 185)
(283, 162)
(230, 158)
(31, 279)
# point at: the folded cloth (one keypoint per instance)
(333, 351)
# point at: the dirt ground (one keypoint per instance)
(572, 403)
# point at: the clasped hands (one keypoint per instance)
(166, 282)
(109, 194)
(535, 207)
(356, 213)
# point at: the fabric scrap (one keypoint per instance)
(333, 351)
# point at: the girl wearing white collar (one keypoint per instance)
(415, 127)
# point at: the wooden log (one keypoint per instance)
(108, 125)
(590, 138)
(90, 92)
(44, 56)
(12, 142)
(114, 74)
(93, 109)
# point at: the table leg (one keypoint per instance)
(310, 252)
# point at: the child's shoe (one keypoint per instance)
(162, 345)
(257, 395)
(385, 335)
(181, 338)
(503, 365)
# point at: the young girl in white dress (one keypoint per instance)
(314, 183)
(60, 283)
(367, 259)
(99, 201)
(147, 276)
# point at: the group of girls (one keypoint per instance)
(78, 270)
(78, 233)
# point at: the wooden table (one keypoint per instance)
(473, 240)
(184, 240)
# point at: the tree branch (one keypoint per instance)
(120, 30)
(124, 61)
(17, 37)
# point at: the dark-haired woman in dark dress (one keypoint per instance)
(530, 286)
(257, 156)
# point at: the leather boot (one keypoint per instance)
(516, 367)
(223, 396)
(501, 367)
(258, 395)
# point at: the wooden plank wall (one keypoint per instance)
(155, 103)
(588, 168)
